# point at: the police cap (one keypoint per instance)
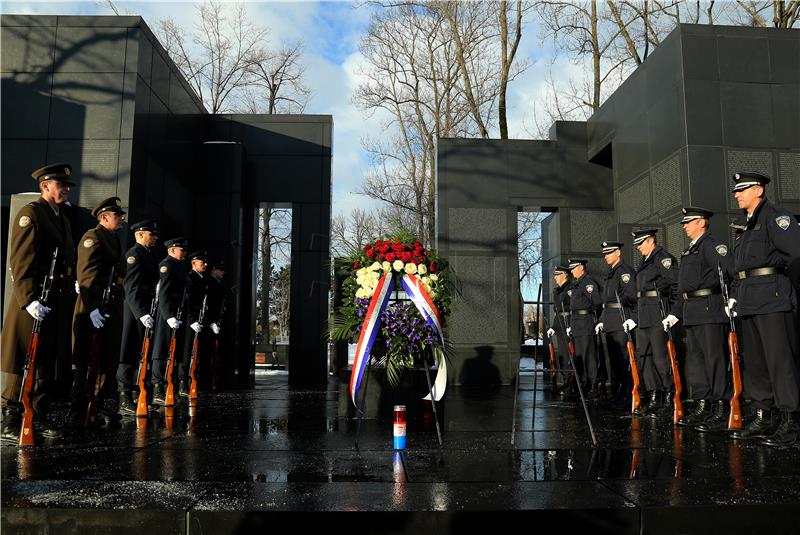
(575, 262)
(690, 213)
(199, 255)
(561, 270)
(639, 235)
(611, 246)
(112, 204)
(180, 241)
(146, 224)
(54, 171)
(746, 180)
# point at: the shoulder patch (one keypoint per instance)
(626, 278)
(590, 288)
(667, 263)
(24, 221)
(163, 269)
(131, 259)
(783, 222)
(88, 242)
(722, 249)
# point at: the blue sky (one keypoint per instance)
(331, 32)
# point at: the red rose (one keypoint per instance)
(366, 246)
(390, 257)
(379, 257)
(405, 257)
(356, 265)
(398, 247)
(370, 253)
(432, 268)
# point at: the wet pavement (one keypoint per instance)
(244, 460)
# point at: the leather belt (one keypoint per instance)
(760, 272)
(582, 311)
(648, 293)
(701, 293)
(611, 305)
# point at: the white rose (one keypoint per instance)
(434, 277)
(397, 265)
(360, 280)
(411, 268)
(361, 293)
(375, 266)
(421, 269)
(387, 267)
(432, 294)
(361, 272)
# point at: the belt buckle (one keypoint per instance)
(742, 275)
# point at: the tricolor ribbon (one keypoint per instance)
(419, 296)
(369, 330)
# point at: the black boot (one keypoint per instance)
(656, 402)
(125, 405)
(183, 390)
(717, 422)
(158, 394)
(763, 424)
(12, 422)
(666, 411)
(698, 414)
(787, 433)
(645, 404)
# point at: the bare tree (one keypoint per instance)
(277, 82)
(217, 57)
(350, 232)
(274, 242)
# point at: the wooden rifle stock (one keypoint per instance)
(195, 350)
(94, 360)
(635, 399)
(677, 413)
(735, 416)
(169, 398)
(141, 403)
(29, 373)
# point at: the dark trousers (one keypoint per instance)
(618, 356)
(586, 358)
(161, 351)
(130, 350)
(707, 361)
(562, 350)
(651, 358)
(770, 373)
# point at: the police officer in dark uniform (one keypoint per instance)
(197, 291)
(701, 311)
(656, 279)
(585, 304)
(767, 263)
(214, 313)
(620, 283)
(174, 281)
(561, 318)
(99, 263)
(140, 286)
(36, 231)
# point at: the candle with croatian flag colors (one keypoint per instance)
(399, 427)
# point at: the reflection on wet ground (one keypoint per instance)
(220, 463)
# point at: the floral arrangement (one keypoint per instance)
(404, 337)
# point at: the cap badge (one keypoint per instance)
(783, 222)
(24, 221)
(626, 277)
(131, 259)
(88, 243)
(667, 263)
(116, 201)
(67, 171)
(722, 249)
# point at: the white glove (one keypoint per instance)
(174, 323)
(729, 308)
(77, 288)
(669, 322)
(215, 328)
(628, 325)
(196, 327)
(97, 317)
(598, 328)
(550, 332)
(147, 321)
(569, 331)
(37, 310)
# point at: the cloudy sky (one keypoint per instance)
(331, 32)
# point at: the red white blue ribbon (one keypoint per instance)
(419, 296)
(369, 330)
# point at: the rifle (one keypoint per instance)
(635, 400)
(29, 372)
(169, 399)
(735, 416)
(94, 361)
(553, 367)
(141, 404)
(677, 413)
(195, 349)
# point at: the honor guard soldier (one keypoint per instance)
(656, 282)
(196, 293)
(99, 268)
(767, 262)
(701, 310)
(38, 230)
(140, 282)
(585, 302)
(215, 314)
(174, 281)
(561, 318)
(619, 291)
